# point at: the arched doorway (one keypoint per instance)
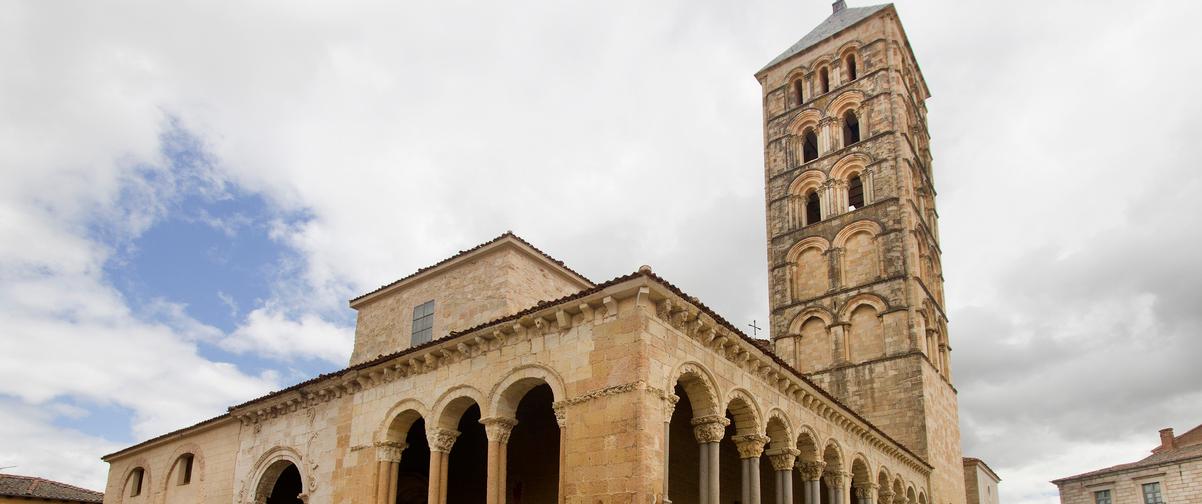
(534, 442)
(287, 487)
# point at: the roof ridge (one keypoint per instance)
(461, 253)
(829, 27)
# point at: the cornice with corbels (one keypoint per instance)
(687, 318)
(597, 308)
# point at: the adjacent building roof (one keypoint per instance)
(837, 22)
(971, 461)
(29, 487)
(1156, 459)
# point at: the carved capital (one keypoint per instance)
(389, 451)
(834, 478)
(441, 440)
(561, 413)
(864, 491)
(498, 428)
(670, 401)
(750, 445)
(884, 497)
(811, 471)
(710, 429)
(783, 459)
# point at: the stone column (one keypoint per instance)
(709, 431)
(811, 473)
(669, 407)
(441, 440)
(836, 481)
(497, 429)
(561, 419)
(750, 447)
(388, 459)
(782, 462)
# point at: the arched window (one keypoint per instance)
(855, 193)
(184, 466)
(799, 94)
(135, 482)
(809, 146)
(813, 208)
(824, 79)
(851, 128)
(851, 68)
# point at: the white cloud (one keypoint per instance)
(37, 448)
(610, 135)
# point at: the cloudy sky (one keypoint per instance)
(192, 190)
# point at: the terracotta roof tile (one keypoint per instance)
(30, 487)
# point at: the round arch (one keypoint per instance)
(832, 454)
(701, 387)
(507, 393)
(746, 412)
(817, 242)
(778, 429)
(850, 165)
(399, 418)
(852, 99)
(452, 404)
(869, 299)
(139, 463)
(807, 443)
(807, 180)
(817, 312)
(807, 119)
(861, 470)
(198, 466)
(268, 468)
(865, 225)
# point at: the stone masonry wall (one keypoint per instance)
(214, 448)
(1179, 483)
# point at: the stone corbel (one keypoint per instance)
(563, 320)
(611, 306)
(587, 311)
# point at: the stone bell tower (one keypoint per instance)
(853, 249)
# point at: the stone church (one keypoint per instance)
(500, 375)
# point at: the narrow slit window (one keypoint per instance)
(855, 193)
(423, 323)
(799, 92)
(824, 79)
(135, 482)
(809, 146)
(851, 128)
(851, 68)
(813, 208)
(185, 469)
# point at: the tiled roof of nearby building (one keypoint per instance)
(507, 234)
(837, 22)
(28, 487)
(1156, 459)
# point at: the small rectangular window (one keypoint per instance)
(135, 484)
(423, 323)
(1101, 497)
(1152, 493)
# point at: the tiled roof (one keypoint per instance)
(543, 305)
(507, 234)
(836, 23)
(1156, 459)
(29, 487)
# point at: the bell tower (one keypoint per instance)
(856, 289)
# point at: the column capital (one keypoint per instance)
(498, 428)
(864, 491)
(783, 458)
(884, 497)
(811, 471)
(835, 478)
(670, 401)
(561, 413)
(750, 445)
(710, 428)
(389, 451)
(441, 440)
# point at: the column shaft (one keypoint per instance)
(753, 472)
(492, 486)
(704, 477)
(394, 472)
(433, 497)
(382, 482)
(715, 474)
(442, 478)
(667, 457)
(745, 472)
